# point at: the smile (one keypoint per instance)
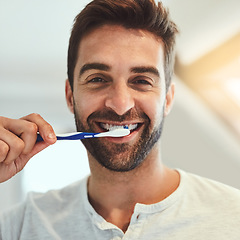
(110, 127)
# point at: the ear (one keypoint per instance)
(69, 96)
(169, 99)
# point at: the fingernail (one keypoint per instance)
(51, 136)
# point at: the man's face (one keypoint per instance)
(119, 81)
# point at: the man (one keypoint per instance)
(120, 63)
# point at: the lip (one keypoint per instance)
(133, 134)
(127, 139)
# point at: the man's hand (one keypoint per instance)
(18, 142)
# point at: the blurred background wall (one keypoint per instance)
(202, 133)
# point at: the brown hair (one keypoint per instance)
(135, 14)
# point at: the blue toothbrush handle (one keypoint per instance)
(39, 138)
(77, 136)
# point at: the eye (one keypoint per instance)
(97, 80)
(142, 81)
(142, 84)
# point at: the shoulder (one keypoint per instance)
(214, 206)
(11, 221)
(41, 212)
(50, 203)
(54, 200)
(210, 192)
(200, 182)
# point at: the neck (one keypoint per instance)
(115, 194)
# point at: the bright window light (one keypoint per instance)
(56, 166)
(232, 86)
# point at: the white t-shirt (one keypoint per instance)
(200, 209)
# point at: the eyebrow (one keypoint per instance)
(145, 70)
(105, 67)
(97, 66)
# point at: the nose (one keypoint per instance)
(120, 99)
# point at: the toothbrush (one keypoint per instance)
(121, 132)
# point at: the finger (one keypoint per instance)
(44, 128)
(26, 130)
(15, 145)
(29, 136)
(16, 126)
(4, 149)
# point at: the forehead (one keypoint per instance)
(111, 39)
(119, 31)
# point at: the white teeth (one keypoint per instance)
(132, 126)
(111, 127)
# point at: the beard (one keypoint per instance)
(114, 156)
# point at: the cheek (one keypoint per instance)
(153, 108)
(86, 104)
